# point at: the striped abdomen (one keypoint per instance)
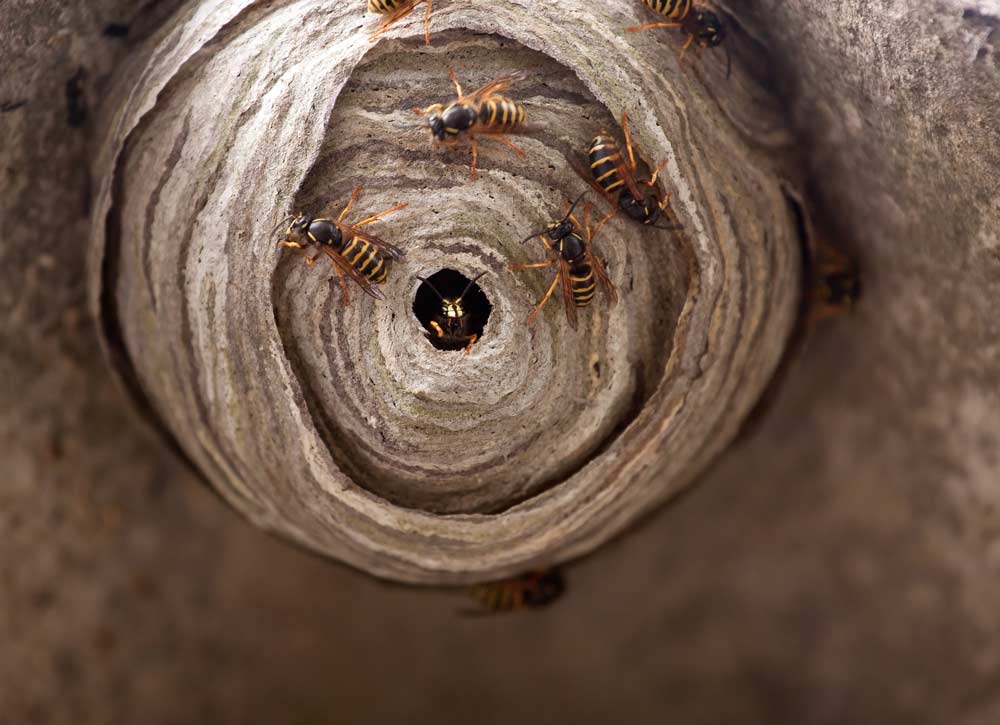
(670, 9)
(605, 157)
(384, 6)
(366, 258)
(503, 596)
(501, 114)
(584, 282)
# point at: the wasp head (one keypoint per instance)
(452, 309)
(560, 230)
(435, 120)
(436, 124)
(646, 211)
(295, 235)
(707, 29)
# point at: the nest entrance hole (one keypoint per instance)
(429, 308)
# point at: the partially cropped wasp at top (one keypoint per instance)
(570, 246)
(532, 590)
(355, 254)
(453, 324)
(482, 113)
(613, 175)
(701, 26)
(396, 10)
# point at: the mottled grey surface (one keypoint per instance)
(839, 565)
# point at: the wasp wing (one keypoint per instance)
(609, 286)
(629, 178)
(567, 289)
(354, 274)
(496, 86)
(585, 174)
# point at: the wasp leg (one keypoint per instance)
(628, 140)
(468, 348)
(350, 203)
(430, 109)
(454, 80)
(536, 265)
(649, 26)
(506, 142)
(473, 140)
(437, 328)
(427, 23)
(381, 214)
(690, 40)
(604, 220)
(343, 284)
(540, 305)
(656, 175)
(392, 20)
(310, 259)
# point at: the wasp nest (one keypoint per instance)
(343, 427)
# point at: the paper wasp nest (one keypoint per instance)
(342, 427)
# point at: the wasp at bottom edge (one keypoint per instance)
(532, 590)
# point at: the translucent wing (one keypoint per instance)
(626, 173)
(585, 174)
(497, 86)
(609, 287)
(354, 274)
(567, 290)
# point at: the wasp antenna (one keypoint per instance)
(469, 286)
(536, 234)
(729, 62)
(669, 227)
(573, 205)
(280, 224)
(431, 285)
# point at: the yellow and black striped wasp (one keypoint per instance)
(396, 10)
(355, 254)
(532, 590)
(700, 25)
(614, 177)
(570, 246)
(453, 324)
(482, 113)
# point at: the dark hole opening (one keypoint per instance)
(451, 333)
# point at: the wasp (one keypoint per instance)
(834, 286)
(614, 177)
(396, 10)
(483, 113)
(700, 25)
(570, 245)
(355, 254)
(453, 324)
(534, 589)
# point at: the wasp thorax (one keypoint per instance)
(459, 117)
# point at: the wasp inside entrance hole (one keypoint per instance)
(453, 309)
